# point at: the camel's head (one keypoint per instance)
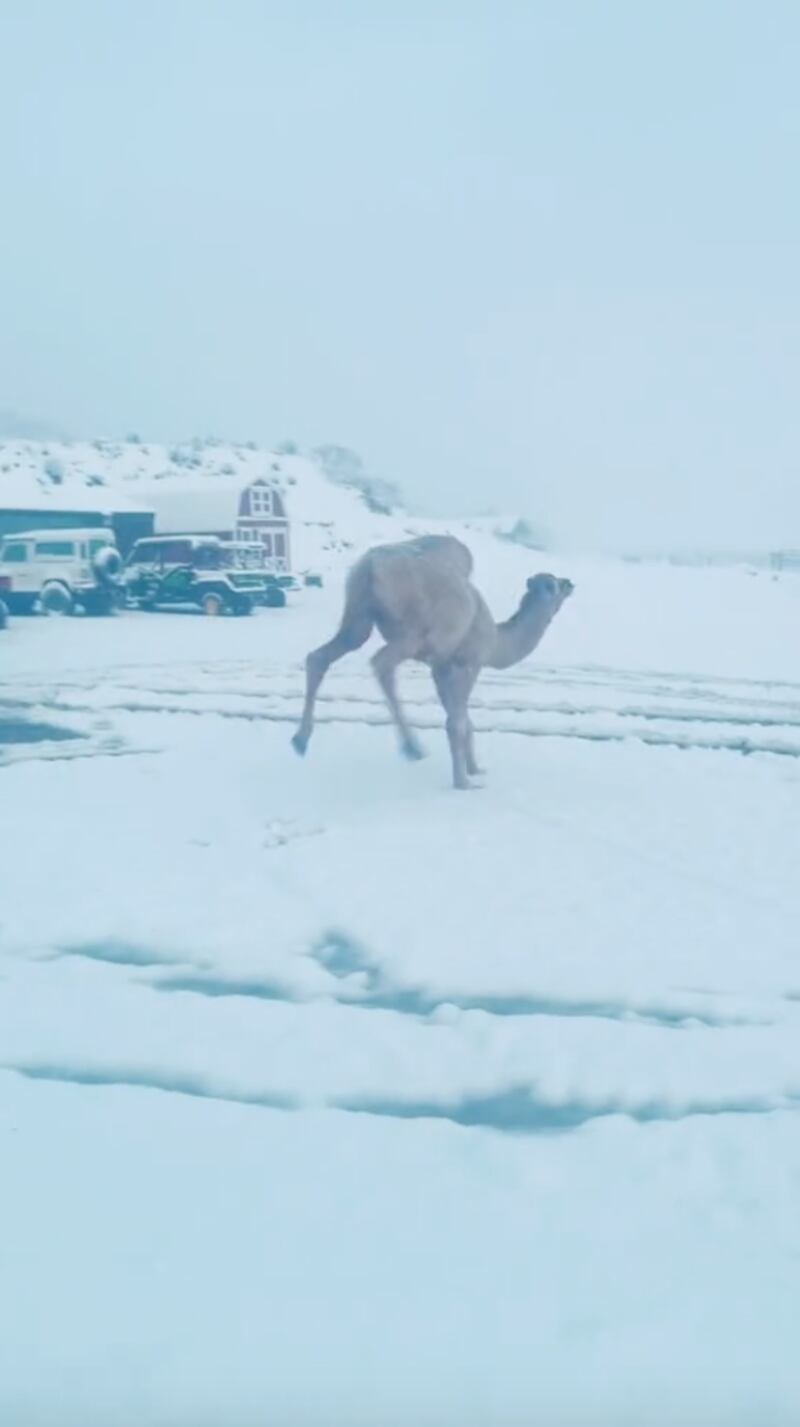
(546, 593)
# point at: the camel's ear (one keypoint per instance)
(532, 582)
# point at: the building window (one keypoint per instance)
(280, 546)
(267, 542)
(260, 500)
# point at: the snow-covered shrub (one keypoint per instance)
(54, 470)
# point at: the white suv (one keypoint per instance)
(59, 571)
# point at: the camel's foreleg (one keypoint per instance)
(472, 765)
(454, 683)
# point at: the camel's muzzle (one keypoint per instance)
(566, 587)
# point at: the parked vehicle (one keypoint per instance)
(61, 571)
(193, 571)
(251, 555)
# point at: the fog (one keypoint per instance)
(532, 257)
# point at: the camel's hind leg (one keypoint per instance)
(385, 664)
(349, 637)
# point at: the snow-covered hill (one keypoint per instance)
(330, 520)
(636, 616)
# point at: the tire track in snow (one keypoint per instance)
(517, 1109)
(359, 984)
(703, 716)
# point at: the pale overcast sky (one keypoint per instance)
(537, 256)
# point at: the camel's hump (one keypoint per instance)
(442, 550)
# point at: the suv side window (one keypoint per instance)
(56, 549)
(206, 557)
(16, 553)
(177, 552)
(143, 553)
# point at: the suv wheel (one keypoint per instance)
(211, 604)
(56, 599)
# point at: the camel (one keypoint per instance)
(419, 595)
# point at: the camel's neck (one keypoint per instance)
(518, 637)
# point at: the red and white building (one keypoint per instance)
(218, 505)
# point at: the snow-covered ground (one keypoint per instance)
(331, 1096)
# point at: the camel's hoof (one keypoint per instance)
(300, 744)
(412, 751)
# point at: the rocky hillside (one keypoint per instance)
(335, 511)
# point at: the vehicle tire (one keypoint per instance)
(56, 598)
(275, 597)
(108, 564)
(212, 604)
